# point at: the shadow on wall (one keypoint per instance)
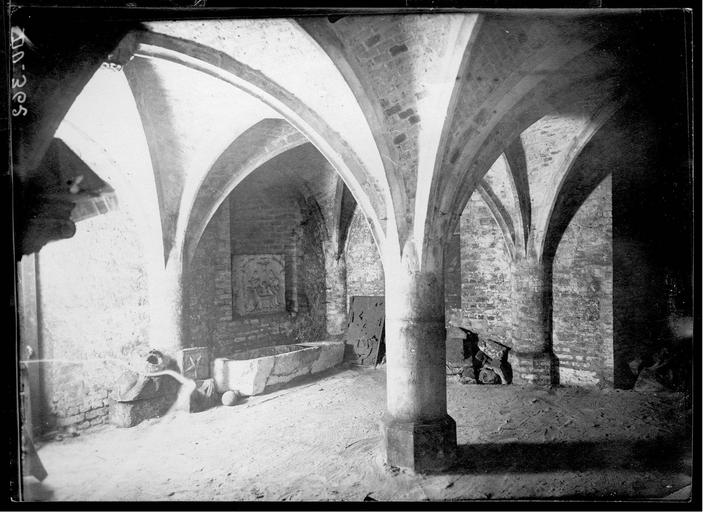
(651, 229)
(652, 264)
(638, 308)
(653, 206)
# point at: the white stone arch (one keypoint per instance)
(212, 62)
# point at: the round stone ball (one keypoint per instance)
(230, 398)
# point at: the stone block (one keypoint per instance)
(331, 354)
(131, 413)
(395, 50)
(148, 397)
(70, 420)
(539, 368)
(455, 350)
(259, 283)
(132, 387)
(406, 113)
(92, 414)
(194, 363)
(420, 446)
(252, 371)
(493, 349)
(399, 139)
(575, 377)
(371, 41)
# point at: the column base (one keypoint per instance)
(539, 368)
(420, 446)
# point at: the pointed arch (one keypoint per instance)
(365, 187)
(500, 214)
(517, 167)
(259, 144)
(561, 94)
(319, 30)
(574, 187)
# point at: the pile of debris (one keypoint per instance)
(475, 360)
(158, 385)
(667, 369)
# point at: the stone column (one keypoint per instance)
(418, 433)
(335, 290)
(532, 357)
(166, 328)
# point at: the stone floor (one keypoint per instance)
(319, 440)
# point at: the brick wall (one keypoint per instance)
(644, 244)
(452, 272)
(364, 267)
(365, 271)
(485, 274)
(93, 314)
(582, 284)
(261, 224)
(312, 325)
(582, 287)
(246, 224)
(206, 285)
(583, 293)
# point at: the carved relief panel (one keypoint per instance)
(259, 284)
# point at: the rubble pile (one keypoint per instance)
(477, 361)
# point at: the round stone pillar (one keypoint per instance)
(418, 433)
(531, 356)
(335, 291)
(166, 328)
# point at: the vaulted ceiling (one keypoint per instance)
(414, 112)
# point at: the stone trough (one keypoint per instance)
(251, 372)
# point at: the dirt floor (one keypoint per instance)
(320, 440)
